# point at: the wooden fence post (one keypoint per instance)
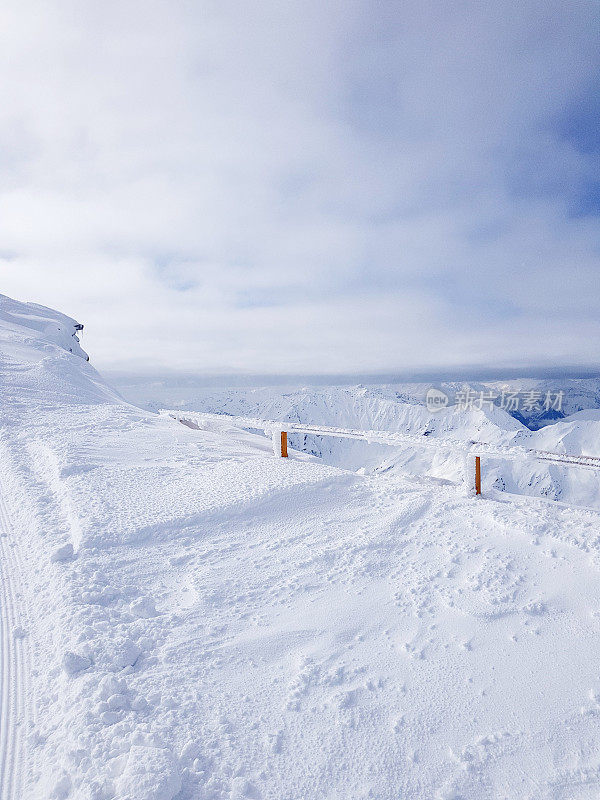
(477, 475)
(284, 453)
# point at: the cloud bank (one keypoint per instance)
(288, 187)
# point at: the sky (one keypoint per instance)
(286, 187)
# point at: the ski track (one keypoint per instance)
(15, 663)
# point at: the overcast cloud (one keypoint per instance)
(310, 187)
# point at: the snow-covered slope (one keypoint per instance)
(186, 617)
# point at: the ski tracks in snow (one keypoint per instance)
(15, 665)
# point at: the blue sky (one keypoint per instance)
(306, 187)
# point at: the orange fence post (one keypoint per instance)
(477, 475)
(284, 444)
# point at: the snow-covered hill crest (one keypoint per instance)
(41, 357)
(29, 322)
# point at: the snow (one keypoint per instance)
(407, 432)
(149, 772)
(381, 402)
(205, 620)
(72, 663)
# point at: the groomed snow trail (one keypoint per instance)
(14, 665)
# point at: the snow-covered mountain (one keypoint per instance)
(525, 399)
(184, 616)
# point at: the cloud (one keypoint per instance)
(287, 187)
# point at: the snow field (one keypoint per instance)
(335, 634)
(195, 619)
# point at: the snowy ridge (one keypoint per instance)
(380, 402)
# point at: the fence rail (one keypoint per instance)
(280, 431)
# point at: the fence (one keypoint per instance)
(477, 450)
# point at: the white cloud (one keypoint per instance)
(285, 187)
